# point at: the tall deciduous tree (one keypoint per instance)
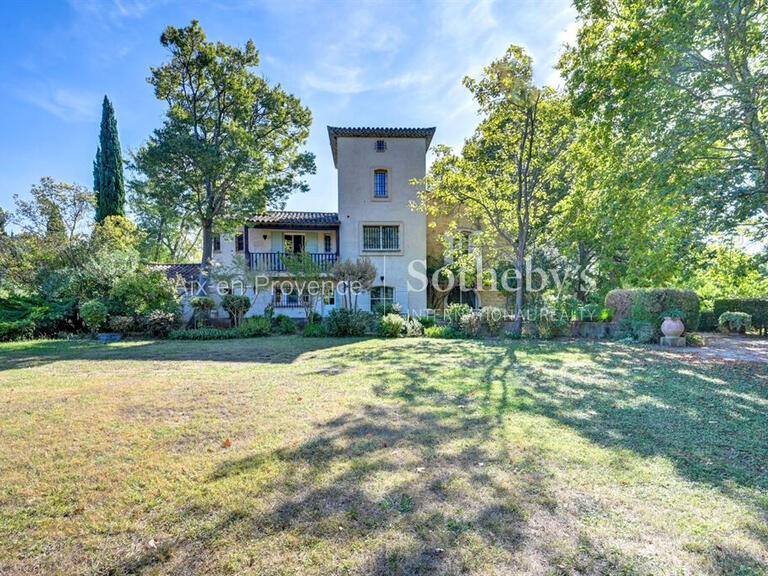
(688, 81)
(230, 143)
(108, 182)
(509, 175)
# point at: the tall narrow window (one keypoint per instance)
(380, 189)
(217, 242)
(327, 243)
(239, 243)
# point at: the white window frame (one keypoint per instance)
(382, 300)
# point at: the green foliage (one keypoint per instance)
(708, 321)
(470, 324)
(694, 340)
(46, 318)
(427, 321)
(386, 308)
(159, 323)
(493, 319)
(121, 324)
(448, 332)
(314, 331)
(16, 330)
(359, 274)
(204, 334)
(202, 305)
(236, 305)
(757, 308)
(108, 167)
(391, 326)
(347, 322)
(93, 313)
(255, 326)
(737, 322)
(645, 306)
(674, 313)
(454, 312)
(285, 325)
(230, 143)
(606, 314)
(725, 272)
(141, 292)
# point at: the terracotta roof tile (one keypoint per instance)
(283, 217)
(186, 271)
(335, 132)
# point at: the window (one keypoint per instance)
(329, 296)
(239, 243)
(327, 243)
(294, 243)
(217, 242)
(462, 243)
(382, 295)
(380, 184)
(381, 146)
(381, 237)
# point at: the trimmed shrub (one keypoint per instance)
(757, 308)
(284, 325)
(93, 313)
(454, 312)
(236, 305)
(202, 305)
(694, 340)
(121, 324)
(708, 321)
(413, 327)
(737, 322)
(492, 318)
(427, 321)
(620, 301)
(443, 332)
(644, 306)
(314, 331)
(470, 324)
(391, 326)
(314, 318)
(160, 323)
(204, 334)
(256, 326)
(347, 322)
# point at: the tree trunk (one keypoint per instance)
(520, 269)
(207, 253)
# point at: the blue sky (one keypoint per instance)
(352, 63)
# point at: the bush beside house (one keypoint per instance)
(756, 308)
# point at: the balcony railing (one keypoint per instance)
(273, 261)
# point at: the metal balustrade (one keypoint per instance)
(273, 261)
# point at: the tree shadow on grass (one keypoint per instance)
(271, 350)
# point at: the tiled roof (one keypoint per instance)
(335, 132)
(186, 271)
(296, 218)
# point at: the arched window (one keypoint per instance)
(380, 184)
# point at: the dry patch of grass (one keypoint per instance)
(288, 455)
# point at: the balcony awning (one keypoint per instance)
(284, 220)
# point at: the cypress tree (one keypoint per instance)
(108, 181)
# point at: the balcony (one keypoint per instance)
(273, 261)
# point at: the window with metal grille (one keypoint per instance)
(382, 295)
(381, 146)
(380, 184)
(327, 243)
(381, 237)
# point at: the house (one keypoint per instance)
(376, 219)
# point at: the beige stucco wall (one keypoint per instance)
(404, 159)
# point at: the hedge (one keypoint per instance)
(645, 306)
(755, 307)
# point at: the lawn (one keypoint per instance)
(289, 455)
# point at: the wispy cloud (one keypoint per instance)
(67, 104)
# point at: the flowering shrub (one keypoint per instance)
(391, 325)
(492, 318)
(470, 324)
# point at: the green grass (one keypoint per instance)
(298, 456)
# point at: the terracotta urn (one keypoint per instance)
(672, 327)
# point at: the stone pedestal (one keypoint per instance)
(673, 341)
